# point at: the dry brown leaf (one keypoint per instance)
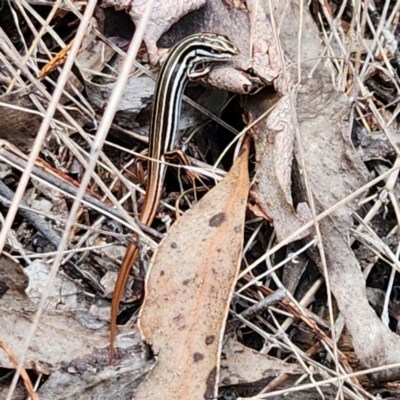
(60, 336)
(17, 124)
(90, 376)
(189, 288)
(244, 365)
(95, 54)
(58, 60)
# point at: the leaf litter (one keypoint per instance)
(194, 270)
(309, 140)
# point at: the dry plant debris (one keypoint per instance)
(188, 291)
(64, 321)
(314, 310)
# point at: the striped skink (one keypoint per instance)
(180, 66)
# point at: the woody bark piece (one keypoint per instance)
(334, 170)
(274, 198)
(173, 20)
(256, 64)
(164, 14)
